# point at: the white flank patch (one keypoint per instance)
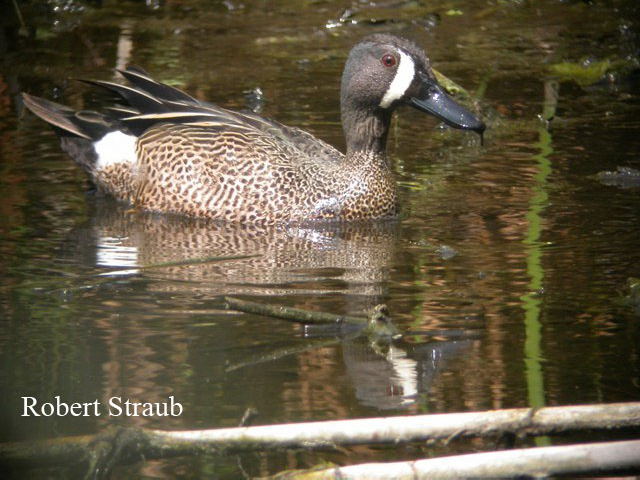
(115, 147)
(404, 76)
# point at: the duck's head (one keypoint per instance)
(382, 72)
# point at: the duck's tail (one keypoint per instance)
(84, 124)
(78, 130)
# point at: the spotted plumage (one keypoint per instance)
(167, 152)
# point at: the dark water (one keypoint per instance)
(507, 270)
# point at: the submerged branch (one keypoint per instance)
(176, 263)
(377, 326)
(74, 281)
(281, 353)
(291, 314)
(195, 261)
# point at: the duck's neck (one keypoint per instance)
(366, 131)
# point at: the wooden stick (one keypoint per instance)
(520, 421)
(153, 444)
(378, 327)
(292, 314)
(595, 458)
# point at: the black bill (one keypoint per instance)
(432, 99)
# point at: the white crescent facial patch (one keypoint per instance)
(404, 76)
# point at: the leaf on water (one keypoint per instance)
(584, 73)
(450, 86)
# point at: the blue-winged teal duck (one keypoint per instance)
(165, 151)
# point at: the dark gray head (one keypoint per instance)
(382, 72)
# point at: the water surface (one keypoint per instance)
(506, 272)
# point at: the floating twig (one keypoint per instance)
(296, 315)
(377, 325)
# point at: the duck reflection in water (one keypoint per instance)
(349, 260)
(168, 152)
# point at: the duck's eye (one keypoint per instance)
(388, 60)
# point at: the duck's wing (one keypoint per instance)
(157, 102)
(301, 139)
(149, 102)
